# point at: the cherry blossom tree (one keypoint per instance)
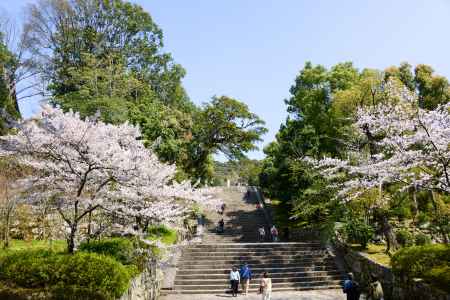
(81, 166)
(412, 150)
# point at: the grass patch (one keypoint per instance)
(166, 235)
(374, 252)
(55, 245)
(162, 233)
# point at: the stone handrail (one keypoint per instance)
(264, 206)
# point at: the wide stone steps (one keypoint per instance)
(224, 275)
(267, 266)
(254, 249)
(256, 255)
(255, 245)
(225, 281)
(214, 289)
(204, 268)
(254, 284)
(254, 263)
(273, 271)
(251, 258)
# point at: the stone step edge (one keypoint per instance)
(260, 273)
(189, 282)
(329, 264)
(257, 243)
(261, 252)
(254, 257)
(253, 264)
(252, 290)
(254, 283)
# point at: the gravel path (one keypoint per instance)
(304, 295)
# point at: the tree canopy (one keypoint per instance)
(324, 108)
(107, 56)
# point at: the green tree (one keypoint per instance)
(69, 35)
(224, 125)
(433, 89)
(322, 110)
(106, 56)
(322, 107)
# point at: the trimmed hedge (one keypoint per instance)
(77, 276)
(429, 262)
(119, 248)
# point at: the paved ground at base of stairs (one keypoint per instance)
(303, 295)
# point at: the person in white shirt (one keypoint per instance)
(262, 234)
(265, 287)
(235, 278)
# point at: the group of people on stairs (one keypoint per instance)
(273, 233)
(243, 276)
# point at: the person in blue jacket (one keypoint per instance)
(351, 288)
(246, 276)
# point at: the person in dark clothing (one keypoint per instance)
(351, 288)
(286, 233)
(221, 227)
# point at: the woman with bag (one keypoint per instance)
(234, 281)
(265, 287)
(375, 289)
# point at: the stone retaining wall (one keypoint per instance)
(362, 268)
(145, 286)
(394, 288)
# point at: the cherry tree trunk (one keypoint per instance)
(71, 238)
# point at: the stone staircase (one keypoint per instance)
(204, 268)
(242, 219)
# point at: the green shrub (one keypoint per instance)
(121, 249)
(422, 239)
(404, 238)
(77, 276)
(167, 235)
(439, 277)
(430, 262)
(357, 231)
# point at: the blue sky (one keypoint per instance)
(253, 49)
